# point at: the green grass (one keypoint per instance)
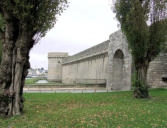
(97, 110)
(33, 80)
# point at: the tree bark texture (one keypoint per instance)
(140, 87)
(16, 45)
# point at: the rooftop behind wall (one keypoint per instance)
(93, 51)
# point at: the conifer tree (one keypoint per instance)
(144, 23)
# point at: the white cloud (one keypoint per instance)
(84, 24)
(41, 60)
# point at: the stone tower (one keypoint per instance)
(55, 66)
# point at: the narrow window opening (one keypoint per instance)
(164, 79)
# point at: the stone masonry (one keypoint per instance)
(108, 63)
(157, 72)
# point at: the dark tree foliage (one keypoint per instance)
(25, 22)
(144, 22)
(2, 28)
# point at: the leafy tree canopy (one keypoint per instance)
(144, 24)
(39, 15)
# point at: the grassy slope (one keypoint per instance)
(32, 80)
(103, 110)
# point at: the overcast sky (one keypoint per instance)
(83, 24)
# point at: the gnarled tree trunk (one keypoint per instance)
(13, 69)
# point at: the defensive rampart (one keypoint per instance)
(108, 63)
(87, 67)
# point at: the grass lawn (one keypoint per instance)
(33, 80)
(97, 110)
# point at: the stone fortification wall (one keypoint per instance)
(93, 51)
(157, 72)
(87, 67)
(106, 63)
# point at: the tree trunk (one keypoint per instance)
(13, 70)
(11, 102)
(140, 85)
(6, 95)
